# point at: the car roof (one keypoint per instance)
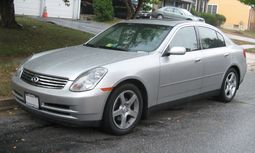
(165, 22)
(171, 23)
(173, 7)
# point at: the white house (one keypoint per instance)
(55, 8)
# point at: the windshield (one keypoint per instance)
(131, 37)
(186, 12)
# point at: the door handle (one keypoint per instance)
(198, 60)
(226, 54)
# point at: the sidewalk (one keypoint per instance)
(231, 36)
(86, 26)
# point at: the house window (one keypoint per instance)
(212, 9)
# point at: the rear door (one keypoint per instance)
(216, 58)
(169, 13)
(179, 14)
(180, 75)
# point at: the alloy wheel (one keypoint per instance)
(125, 109)
(230, 85)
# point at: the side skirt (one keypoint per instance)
(170, 104)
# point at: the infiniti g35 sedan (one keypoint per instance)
(128, 70)
(175, 13)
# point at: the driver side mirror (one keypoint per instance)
(176, 51)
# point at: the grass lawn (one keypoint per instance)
(246, 33)
(36, 36)
(239, 42)
(251, 50)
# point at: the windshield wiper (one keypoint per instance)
(113, 48)
(90, 45)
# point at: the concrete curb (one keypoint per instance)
(7, 104)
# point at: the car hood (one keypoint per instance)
(72, 61)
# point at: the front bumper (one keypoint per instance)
(62, 104)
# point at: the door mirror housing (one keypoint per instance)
(176, 51)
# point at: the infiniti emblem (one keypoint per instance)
(35, 79)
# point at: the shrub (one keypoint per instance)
(103, 10)
(213, 19)
(194, 12)
(221, 19)
(209, 18)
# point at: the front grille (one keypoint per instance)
(42, 80)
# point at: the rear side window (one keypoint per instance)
(185, 37)
(209, 38)
(221, 40)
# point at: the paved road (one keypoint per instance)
(202, 126)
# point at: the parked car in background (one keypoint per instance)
(175, 13)
(125, 72)
(144, 14)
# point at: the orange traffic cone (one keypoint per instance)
(45, 13)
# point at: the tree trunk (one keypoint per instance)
(138, 8)
(7, 14)
(132, 9)
(129, 11)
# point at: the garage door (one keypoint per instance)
(57, 8)
(27, 7)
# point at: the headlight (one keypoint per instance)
(88, 81)
(19, 69)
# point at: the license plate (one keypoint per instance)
(32, 100)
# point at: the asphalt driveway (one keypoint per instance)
(201, 126)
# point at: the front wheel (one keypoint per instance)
(123, 109)
(229, 86)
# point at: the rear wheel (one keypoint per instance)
(123, 109)
(229, 85)
(160, 16)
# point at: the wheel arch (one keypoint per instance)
(140, 85)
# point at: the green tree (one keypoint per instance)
(103, 9)
(248, 2)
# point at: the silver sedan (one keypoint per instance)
(126, 72)
(175, 13)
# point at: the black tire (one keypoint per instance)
(223, 96)
(109, 122)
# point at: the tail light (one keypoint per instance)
(244, 53)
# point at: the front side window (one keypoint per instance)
(209, 38)
(131, 37)
(185, 37)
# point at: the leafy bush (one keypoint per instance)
(221, 19)
(209, 18)
(194, 12)
(213, 19)
(103, 10)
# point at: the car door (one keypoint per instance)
(216, 58)
(178, 14)
(168, 13)
(180, 75)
